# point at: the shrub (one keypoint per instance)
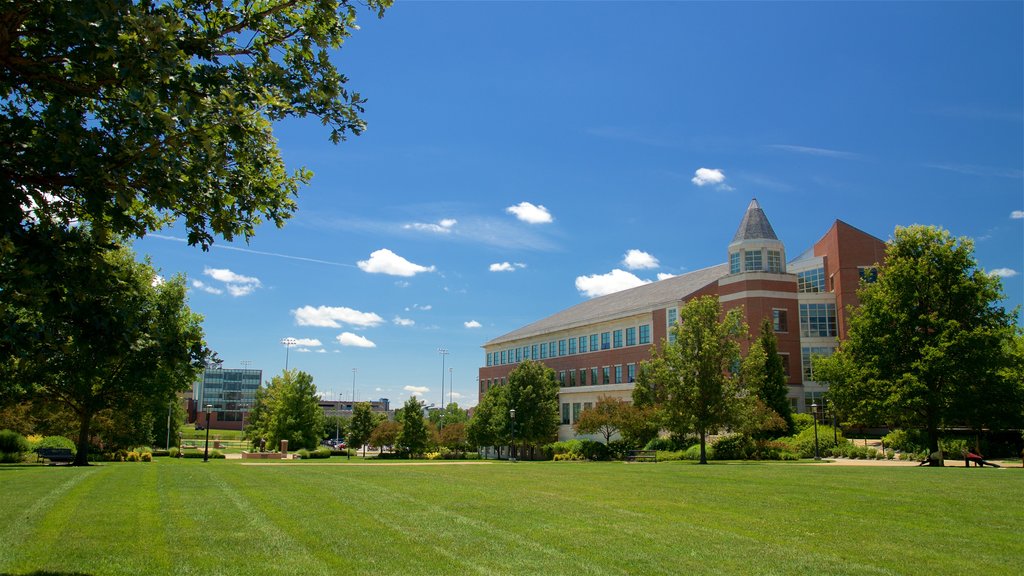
(568, 457)
(13, 446)
(132, 456)
(670, 455)
(734, 447)
(619, 449)
(173, 452)
(693, 452)
(665, 444)
(303, 454)
(802, 422)
(321, 453)
(54, 442)
(594, 450)
(773, 450)
(803, 442)
(146, 457)
(198, 454)
(953, 448)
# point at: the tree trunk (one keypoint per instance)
(82, 456)
(934, 455)
(703, 448)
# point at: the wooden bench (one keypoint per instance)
(54, 455)
(642, 456)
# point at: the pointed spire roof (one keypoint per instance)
(755, 225)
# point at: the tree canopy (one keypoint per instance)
(413, 436)
(129, 114)
(929, 346)
(607, 417)
(690, 380)
(90, 327)
(361, 426)
(288, 409)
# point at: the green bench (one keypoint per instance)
(54, 455)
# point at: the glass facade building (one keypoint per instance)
(231, 391)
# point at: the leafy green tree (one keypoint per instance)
(772, 389)
(335, 427)
(606, 417)
(413, 437)
(88, 326)
(131, 114)
(532, 391)
(361, 426)
(289, 409)
(488, 425)
(690, 380)
(453, 437)
(929, 345)
(385, 435)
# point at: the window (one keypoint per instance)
(489, 358)
(551, 349)
(526, 352)
(565, 413)
(631, 372)
(544, 350)
(673, 317)
(630, 336)
(587, 406)
(811, 398)
(868, 274)
(583, 344)
(519, 354)
(606, 375)
(645, 333)
(774, 261)
(780, 322)
(617, 338)
(817, 320)
(811, 280)
(561, 347)
(575, 411)
(533, 352)
(752, 261)
(606, 340)
(618, 373)
(583, 376)
(561, 377)
(807, 353)
(572, 377)
(593, 377)
(734, 263)
(502, 356)
(784, 358)
(572, 346)
(593, 343)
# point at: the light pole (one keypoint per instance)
(512, 415)
(443, 352)
(449, 385)
(814, 413)
(354, 370)
(288, 343)
(169, 406)
(206, 449)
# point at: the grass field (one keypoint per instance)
(328, 517)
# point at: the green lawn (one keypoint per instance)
(223, 517)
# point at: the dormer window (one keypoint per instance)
(752, 262)
(734, 263)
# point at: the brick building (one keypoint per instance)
(596, 346)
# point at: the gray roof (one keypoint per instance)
(755, 225)
(620, 304)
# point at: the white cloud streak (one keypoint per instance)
(385, 261)
(530, 213)
(335, 317)
(236, 284)
(443, 227)
(825, 152)
(506, 266)
(1003, 272)
(603, 284)
(198, 285)
(1017, 214)
(416, 389)
(350, 339)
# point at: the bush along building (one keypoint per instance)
(596, 347)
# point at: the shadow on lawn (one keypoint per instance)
(46, 573)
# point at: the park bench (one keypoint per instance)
(642, 456)
(54, 455)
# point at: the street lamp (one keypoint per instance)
(288, 343)
(449, 385)
(814, 413)
(443, 352)
(512, 415)
(206, 449)
(354, 370)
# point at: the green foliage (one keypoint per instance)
(765, 377)
(361, 426)
(287, 409)
(606, 417)
(335, 427)
(695, 452)
(13, 444)
(489, 425)
(803, 442)
(929, 345)
(385, 435)
(690, 380)
(802, 422)
(668, 444)
(413, 435)
(734, 447)
(532, 391)
(904, 440)
(953, 448)
(159, 111)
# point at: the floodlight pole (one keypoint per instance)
(288, 343)
(512, 448)
(206, 449)
(814, 413)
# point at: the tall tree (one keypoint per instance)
(929, 344)
(690, 380)
(130, 114)
(289, 409)
(488, 425)
(385, 435)
(361, 426)
(772, 389)
(89, 326)
(533, 394)
(413, 437)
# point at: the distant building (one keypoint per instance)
(231, 392)
(596, 346)
(344, 407)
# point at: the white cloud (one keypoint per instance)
(236, 284)
(443, 227)
(303, 350)
(350, 339)
(307, 342)
(334, 317)
(399, 321)
(1003, 272)
(602, 284)
(423, 307)
(1017, 214)
(321, 351)
(506, 266)
(471, 324)
(456, 395)
(713, 176)
(416, 389)
(639, 260)
(385, 261)
(530, 213)
(665, 276)
(198, 285)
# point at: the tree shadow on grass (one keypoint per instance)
(45, 573)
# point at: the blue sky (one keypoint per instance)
(523, 157)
